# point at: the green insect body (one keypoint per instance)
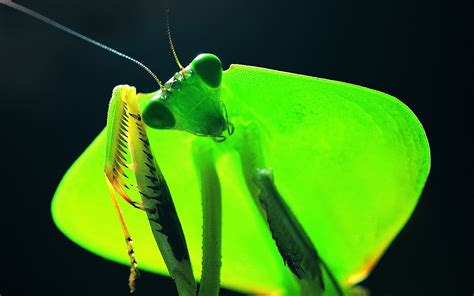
(349, 162)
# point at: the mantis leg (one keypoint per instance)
(134, 273)
(212, 219)
(125, 127)
(292, 242)
(118, 185)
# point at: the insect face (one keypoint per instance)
(191, 101)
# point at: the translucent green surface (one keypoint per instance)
(350, 162)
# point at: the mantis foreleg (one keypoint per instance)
(125, 125)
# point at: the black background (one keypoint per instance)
(54, 91)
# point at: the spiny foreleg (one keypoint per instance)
(115, 166)
(158, 203)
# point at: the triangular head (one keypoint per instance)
(191, 100)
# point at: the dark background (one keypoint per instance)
(54, 91)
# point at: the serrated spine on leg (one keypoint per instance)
(155, 194)
(117, 144)
(292, 242)
(115, 163)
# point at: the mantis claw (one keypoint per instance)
(138, 205)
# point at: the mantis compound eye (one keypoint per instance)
(157, 115)
(209, 68)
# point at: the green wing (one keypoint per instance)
(349, 161)
(83, 211)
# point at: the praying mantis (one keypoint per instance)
(333, 148)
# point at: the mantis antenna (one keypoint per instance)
(85, 38)
(168, 32)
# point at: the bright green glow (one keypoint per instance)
(350, 162)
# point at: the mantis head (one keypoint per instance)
(190, 101)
